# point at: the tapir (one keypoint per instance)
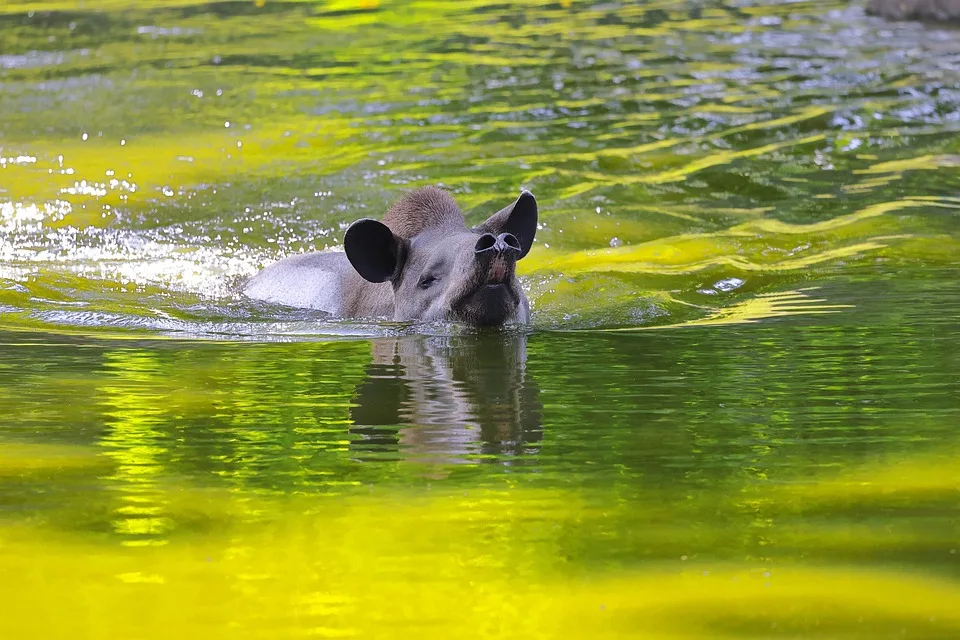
(420, 262)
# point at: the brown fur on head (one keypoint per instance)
(425, 208)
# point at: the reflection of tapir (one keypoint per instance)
(445, 397)
(420, 263)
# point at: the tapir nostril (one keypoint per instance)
(487, 242)
(509, 241)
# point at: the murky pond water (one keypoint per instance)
(734, 414)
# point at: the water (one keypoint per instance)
(734, 413)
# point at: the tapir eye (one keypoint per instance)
(427, 281)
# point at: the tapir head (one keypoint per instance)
(449, 272)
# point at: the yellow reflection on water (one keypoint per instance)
(134, 405)
(479, 564)
(771, 305)
(21, 459)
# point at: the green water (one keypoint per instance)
(734, 414)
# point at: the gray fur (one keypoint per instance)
(420, 263)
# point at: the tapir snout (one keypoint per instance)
(496, 257)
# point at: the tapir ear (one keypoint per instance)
(520, 219)
(374, 251)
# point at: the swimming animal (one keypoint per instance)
(420, 262)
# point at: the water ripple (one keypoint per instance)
(169, 154)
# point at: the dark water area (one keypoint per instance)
(734, 413)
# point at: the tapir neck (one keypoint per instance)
(367, 299)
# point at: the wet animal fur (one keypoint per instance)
(421, 220)
(423, 209)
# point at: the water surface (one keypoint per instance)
(734, 413)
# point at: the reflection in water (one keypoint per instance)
(716, 481)
(135, 412)
(448, 397)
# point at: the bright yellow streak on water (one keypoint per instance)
(482, 564)
(773, 305)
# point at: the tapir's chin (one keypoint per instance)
(489, 304)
